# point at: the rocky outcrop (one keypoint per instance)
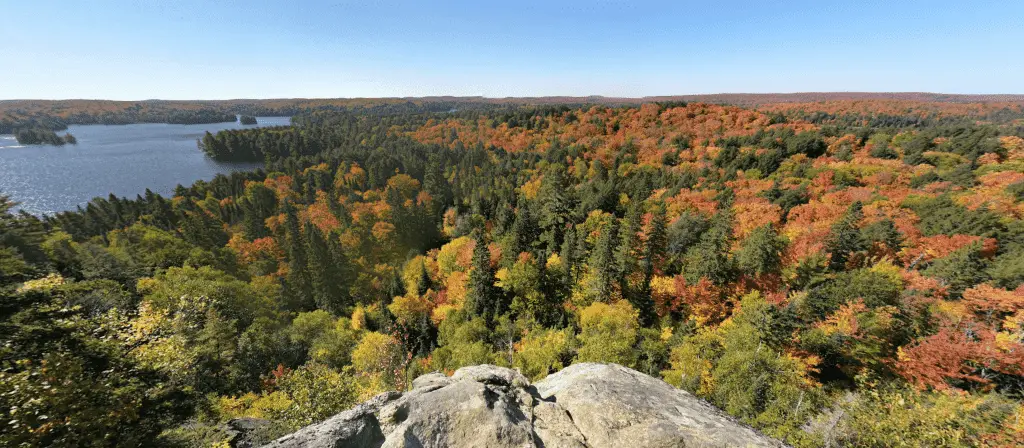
(584, 405)
(245, 432)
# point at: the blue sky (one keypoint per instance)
(184, 49)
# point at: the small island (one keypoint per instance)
(247, 119)
(43, 136)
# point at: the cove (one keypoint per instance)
(121, 159)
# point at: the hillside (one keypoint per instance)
(845, 273)
(58, 114)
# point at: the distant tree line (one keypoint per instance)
(10, 123)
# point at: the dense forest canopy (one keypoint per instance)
(832, 273)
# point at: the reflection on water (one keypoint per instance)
(122, 159)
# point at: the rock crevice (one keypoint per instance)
(585, 405)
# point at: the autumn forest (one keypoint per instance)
(833, 272)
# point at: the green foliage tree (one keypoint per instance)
(845, 238)
(482, 297)
(960, 270)
(709, 258)
(608, 333)
(544, 351)
(761, 252)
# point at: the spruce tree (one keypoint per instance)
(570, 254)
(709, 258)
(845, 238)
(324, 271)
(555, 206)
(657, 239)
(654, 251)
(203, 230)
(423, 282)
(482, 296)
(629, 244)
(298, 287)
(761, 252)
(602, 260)
(522, 233)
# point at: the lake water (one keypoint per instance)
(121, 159)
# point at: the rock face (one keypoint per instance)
(242, 432)
(584, 405)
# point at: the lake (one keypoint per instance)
(120, 159)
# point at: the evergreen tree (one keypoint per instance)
(845, 238)
(883, 232)
(298, 286)
(654, 252)
(482, 296)
(423, 282)
(629, 244)
(960, 270)
(203, 230)
(657, 239)
(761, 252)
(325, 271)
(709, 258)
(435, 184)
(555, 206)
(602, 261)
(570, 254)
(523, 232)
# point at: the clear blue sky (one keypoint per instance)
(184, 49)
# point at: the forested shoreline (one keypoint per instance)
(881, 109)
(832, 274)
(42, 136)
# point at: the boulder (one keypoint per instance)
(584, 406)
(614, 406)
(245, 432)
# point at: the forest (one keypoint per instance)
(57, 115)
(12, 121)
(840, 273)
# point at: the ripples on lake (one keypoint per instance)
(120, 159)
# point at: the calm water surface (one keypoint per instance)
(122, 159)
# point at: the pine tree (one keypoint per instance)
(845, 238)
(960, 270)
(656, 245)
(602, 261)
(555, 206)
(570, 254)
(523, 232)
(423, 282)
(883, 232)
(203, 230)
(709, 258)
(396, 288)
(761, 252)
(482, 296)
(298, 286)
(436, 185)
(654, 252)
(324, 271)
(629, 244)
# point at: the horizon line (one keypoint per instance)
(1005, 96)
